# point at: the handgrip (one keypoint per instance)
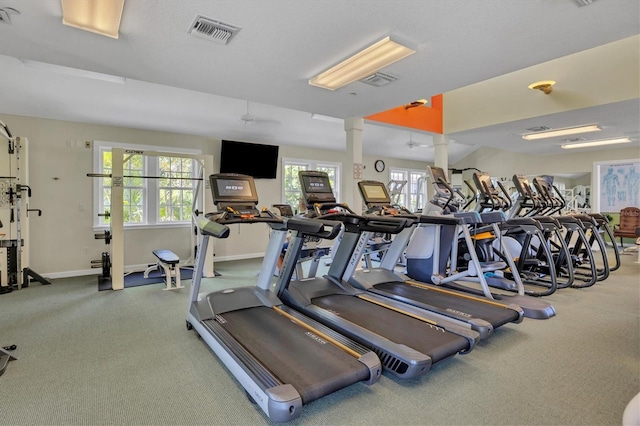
(215, 229)
(387, 225)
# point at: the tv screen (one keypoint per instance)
(257, 160)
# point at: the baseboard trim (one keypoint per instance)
(138, 268)
(237, 257)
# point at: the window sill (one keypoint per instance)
(134, 227)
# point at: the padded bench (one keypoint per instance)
(168, 261)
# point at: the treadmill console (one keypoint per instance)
(235, 197)
(316, 188)
(284, 209)
(374, 193)
(377, 199)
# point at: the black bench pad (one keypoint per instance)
(167, 256)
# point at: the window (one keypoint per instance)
(411, 194)
(165, 199)
(175, 189)
(291, 191)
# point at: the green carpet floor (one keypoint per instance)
(126, 358)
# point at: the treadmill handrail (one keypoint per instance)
(438, 220)
(314, 227)
(225, 218)
(385, 224)
(321, 208)
(212, 228)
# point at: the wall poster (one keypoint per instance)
(617, 185)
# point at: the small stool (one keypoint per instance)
(168, 261)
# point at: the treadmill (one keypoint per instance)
(481, 315)
(282, 359)
(406, 340)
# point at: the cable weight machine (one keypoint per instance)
(112, 261)
(14, 188)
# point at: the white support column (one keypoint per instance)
(441, 145)
(441, 159)
(117, 219)
(353, 164)
(207, 206)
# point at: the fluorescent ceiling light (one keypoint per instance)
(98, 16)
(362, 64)
(561, 132)
(595, 143)
(74, 71)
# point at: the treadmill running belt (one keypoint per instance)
(496, 315)
(397, 327)
(293, 354)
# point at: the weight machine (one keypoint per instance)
(14, 213)
(115, 266)
(14, 220)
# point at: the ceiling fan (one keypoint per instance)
(249, 119)
(413, 144)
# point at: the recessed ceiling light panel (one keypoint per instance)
(97, 16)
(552, 133)
(362, 64)
(601, 142)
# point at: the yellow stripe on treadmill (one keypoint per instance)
(465, 296)
(368, 299)
(319, 333)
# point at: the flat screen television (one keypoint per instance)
(257, 160)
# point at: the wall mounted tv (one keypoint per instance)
(257, 160)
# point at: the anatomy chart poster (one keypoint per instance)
(619, 186)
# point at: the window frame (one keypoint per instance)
(407, 191)
(311, 165)
(150, 187)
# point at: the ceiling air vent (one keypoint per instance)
(379, 79)
(213, 30)
(538, 129)
(581, 3)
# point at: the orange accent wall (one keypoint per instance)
(427, 118)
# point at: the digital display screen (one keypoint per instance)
(374, 192)
(315, 184)
(234, 188)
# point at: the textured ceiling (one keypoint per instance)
(179, 83)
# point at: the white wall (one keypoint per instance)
(505, 163)
(500, 163)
